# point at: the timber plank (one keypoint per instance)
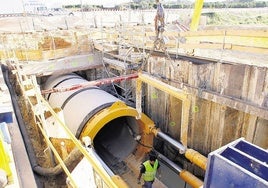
(64, 65)
(192, 121)
(217, 121)
(225, 46)
(216, 84)
(224, 77)
(246, 80)
(191, 72)
(261, 91)
(253, 83)
(240, 122)
(235, 80)
(230, 125)
(260, 42)
(209, 127)
(247, 33)
(249, 127)
(174, 121)
(201, 128)
(261, 132)
(229, 32)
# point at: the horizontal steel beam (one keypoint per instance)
(175, 92)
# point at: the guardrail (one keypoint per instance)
(38, 110)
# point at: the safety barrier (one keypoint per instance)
(238, 164)
(42, 106)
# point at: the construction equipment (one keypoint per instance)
(237, 164)
(196, 15)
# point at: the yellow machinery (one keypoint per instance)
(110, 123)
(196, 15)
(115, 128)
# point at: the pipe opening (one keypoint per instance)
(116, 141)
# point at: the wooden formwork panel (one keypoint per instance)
(254, 41)
(228, 101)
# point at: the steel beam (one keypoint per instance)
(175, 92)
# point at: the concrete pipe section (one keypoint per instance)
(92, 112)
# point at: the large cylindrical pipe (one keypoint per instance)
(92, 112)
(78, 105)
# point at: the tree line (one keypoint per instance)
(180, 4)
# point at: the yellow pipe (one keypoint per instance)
(197, 14)
(196, 158)
(191, 179)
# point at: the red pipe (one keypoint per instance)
(91, 83)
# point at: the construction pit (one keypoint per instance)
(107, 95)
